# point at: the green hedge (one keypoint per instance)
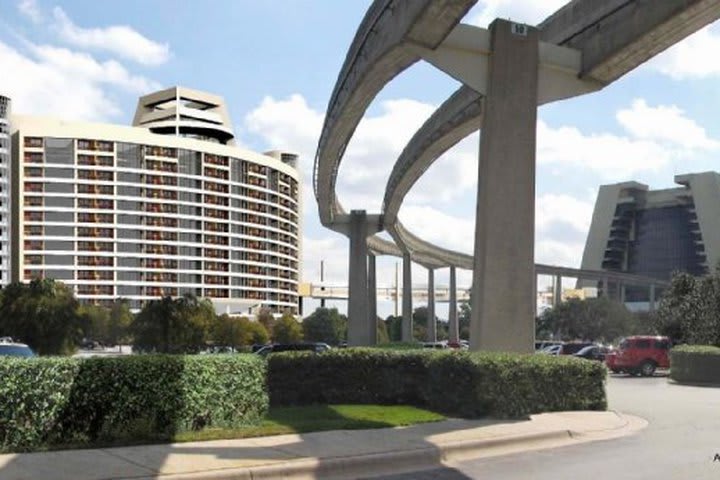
(46, 401)
(695, 364)
(457, 383)
(347, 375)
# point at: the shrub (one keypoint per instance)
(457, 383)
(509, 385)
(695, 364)
(56, 401)
(348, 375)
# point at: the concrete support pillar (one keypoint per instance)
(557, 291)
(372, 299)
(453, 323)
(358, 285)
(407, 320)
(503, 307)
(652, 297)
(431, 324)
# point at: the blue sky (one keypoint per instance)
(276, 63)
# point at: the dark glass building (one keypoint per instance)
(654, 233)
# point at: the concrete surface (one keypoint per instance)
(328, 455)
(680, 443)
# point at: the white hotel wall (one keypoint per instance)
(264, 281)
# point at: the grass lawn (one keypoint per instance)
(315, 418)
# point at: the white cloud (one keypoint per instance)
(121, 40)
(611, 157)
(692, 57)
(378, 141)
(530, 12)
(59, 82)
(551, 209)
(30, 9)
(558, 252)
(440, 228)
(664, 124)
(83, 65)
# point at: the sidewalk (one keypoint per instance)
(328, 455)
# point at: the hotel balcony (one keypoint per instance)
(161, 166)
(154, 151)
(33, 142)
(95, 160)
(216, 160)
(96, 261)
(95, 145)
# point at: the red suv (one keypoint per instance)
(640, 355)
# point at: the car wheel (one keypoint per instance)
(615, 370)
(647, 369)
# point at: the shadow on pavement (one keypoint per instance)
(332, 447)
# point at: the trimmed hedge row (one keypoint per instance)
(695, 364)
(60, 400)
(457, 383)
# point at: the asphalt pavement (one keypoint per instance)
(681, 442)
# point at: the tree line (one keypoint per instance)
(46, 315)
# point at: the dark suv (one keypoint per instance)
(640, 355)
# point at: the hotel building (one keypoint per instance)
(654, 233)
(4, 189)
(168, 206)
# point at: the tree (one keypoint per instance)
(43, 313)
(95, 322)
(325, 325)
(420, 315)
(393, 327)
(689, 310)
(170, 325)
(464, 320)
(382, 333)
(257, 333)
(119, 323)
(596, 319)
(265, 318)
(230, 331)
(287, 329)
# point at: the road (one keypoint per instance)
(680, 443)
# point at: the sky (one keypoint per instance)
(276, 63)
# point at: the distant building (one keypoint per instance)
(654, 233)
(5, 155)
(168, 206)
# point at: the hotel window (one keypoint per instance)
(33, 142)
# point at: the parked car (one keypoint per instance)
(592, 352)
(12, 349)
(551, 350)
(570, 348)
(440, 345)
(317, 347)
(543, 344)
(461, 345)
(640, 355)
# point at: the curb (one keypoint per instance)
(413, 459)
(375, 464)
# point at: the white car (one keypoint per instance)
(551, 350)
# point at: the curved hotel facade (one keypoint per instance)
(4, 189)
(166, 207)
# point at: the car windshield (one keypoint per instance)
(16, 351)
(586, 350)
(624, 345)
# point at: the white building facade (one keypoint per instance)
(167, 207)
(5, 155)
